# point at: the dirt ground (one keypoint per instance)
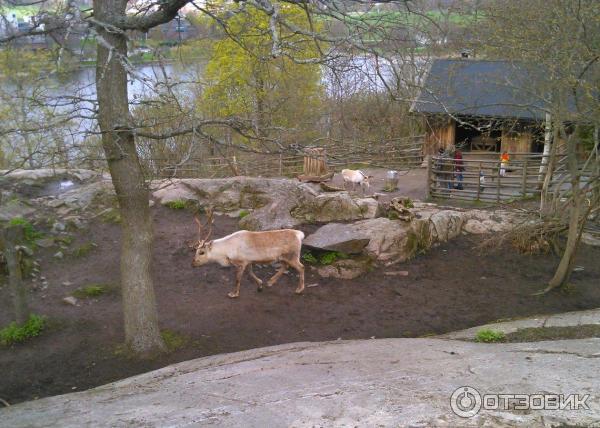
(411, 183)
(452, 287)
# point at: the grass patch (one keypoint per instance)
(243, 213)
(64, 239)
(309, 258)
(14, 333)
(537, 334)
(173, 341)
(84, 249)
(489, 336)
(177, 205)
(323, 259)
(92, 290)
(29, 232)
(111, 216)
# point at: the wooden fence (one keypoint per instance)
(485, 179)
(398, 153)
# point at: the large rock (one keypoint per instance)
(48, 174)
(398, 240)
(387, 240)
(82, 197)
(275, 202)
(366, 383)
(346, 268)
(338, 237)
(15, 208)
(338, 206)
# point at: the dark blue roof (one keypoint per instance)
(482, 88)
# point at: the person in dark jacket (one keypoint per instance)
(459, 168)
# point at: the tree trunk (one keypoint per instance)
(565, 267)
(142, 334)
(551, 144)
(13, 236)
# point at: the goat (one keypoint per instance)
(242, 248)
(354, 177)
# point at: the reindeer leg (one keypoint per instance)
(241, 267)
(256, 279)
(278, 274)
(300, 268)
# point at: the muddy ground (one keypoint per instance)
(452, 287)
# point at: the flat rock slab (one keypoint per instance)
(566, 319)
(386, 382)
(337, 237)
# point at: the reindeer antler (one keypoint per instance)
(209, 222)
(201, 227)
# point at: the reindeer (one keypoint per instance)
(354, 177)
(243, 248)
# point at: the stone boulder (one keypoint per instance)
(44, 175)
(15, 208)
(275, 202)
(84, 197)
(346, 268)
(393, 241)
(386, 240)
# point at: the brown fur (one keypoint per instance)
(242, 249)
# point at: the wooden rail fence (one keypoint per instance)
(399, 154)
(483, 178)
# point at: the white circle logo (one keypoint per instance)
(465, 402)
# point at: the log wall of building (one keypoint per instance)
(440, 132)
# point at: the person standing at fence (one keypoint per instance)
(459, 168)
(504, 158)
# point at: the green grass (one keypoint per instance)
(309, 258)
(29, 232)
(324, 259)
(84, 249)
(489, 336)
(173, 341)
(177, 205)
(92, 290)
(14, 333)
(111, 216)
(243, 213)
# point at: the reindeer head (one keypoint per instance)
(203, 245)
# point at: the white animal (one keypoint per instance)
(243, 248)
(356, 177)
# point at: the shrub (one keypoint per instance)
(324, 259)
(173, 340)
(177, 205)
(84, 249)
(489, 336)
(14, 333)
(94, 290)
(309, 258)
(29, 232)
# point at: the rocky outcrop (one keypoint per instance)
(393, 241)
(274, 203)
(378, 383)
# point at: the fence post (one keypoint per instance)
(280, 164)
(524, 182)
(479, 181)
(429, 176)
(498, 182)
(12, 237)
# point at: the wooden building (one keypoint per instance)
(481, 106)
